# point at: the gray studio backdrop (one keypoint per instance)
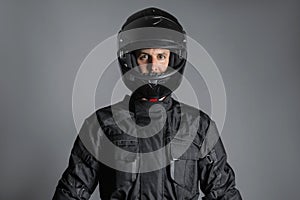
(255, 44)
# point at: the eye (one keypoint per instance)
(161, 56)
(143, 57)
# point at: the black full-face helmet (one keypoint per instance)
(145, 29)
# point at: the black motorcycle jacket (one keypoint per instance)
(194, 161)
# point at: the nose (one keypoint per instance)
(154, 65)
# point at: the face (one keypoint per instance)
(153, 60)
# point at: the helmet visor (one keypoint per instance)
(151, 37)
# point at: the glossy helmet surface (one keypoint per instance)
(152, 28)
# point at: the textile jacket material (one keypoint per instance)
(195, 157)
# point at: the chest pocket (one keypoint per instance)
(184, 169)
(126, 153)
(125, 159)
(119, 175)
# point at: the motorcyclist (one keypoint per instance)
(149, 146)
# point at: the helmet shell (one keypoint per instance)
(152, 28)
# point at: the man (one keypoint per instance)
(149, 146)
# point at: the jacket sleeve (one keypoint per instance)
(217, 179)
(80, 178)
